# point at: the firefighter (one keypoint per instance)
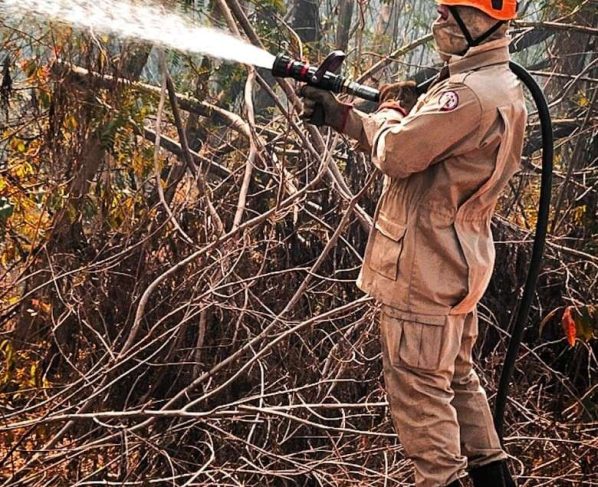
(446, 157)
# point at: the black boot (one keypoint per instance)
(495, 474)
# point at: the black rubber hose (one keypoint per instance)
(538, 248)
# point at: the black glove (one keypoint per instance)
(320, 107)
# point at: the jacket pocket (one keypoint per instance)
(387, 246)
(412, 344)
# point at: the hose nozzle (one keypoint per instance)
(322, 77)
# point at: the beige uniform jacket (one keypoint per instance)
(431, 252)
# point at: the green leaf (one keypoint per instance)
(587, 322)
(6, 208)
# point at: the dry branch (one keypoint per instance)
(249, 357)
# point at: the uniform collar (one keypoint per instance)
(487, 54)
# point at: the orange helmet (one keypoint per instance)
(497, 9)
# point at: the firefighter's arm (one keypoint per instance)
(363, 127)
(396, 101)
(447, 124)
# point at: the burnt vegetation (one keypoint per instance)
(178, 254)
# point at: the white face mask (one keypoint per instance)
(448, 36)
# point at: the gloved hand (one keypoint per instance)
(317, 102)
(404, 93)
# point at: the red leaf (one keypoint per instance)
(569, 325)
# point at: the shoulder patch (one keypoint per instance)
(449, 100)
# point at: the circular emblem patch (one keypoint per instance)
(448, 101)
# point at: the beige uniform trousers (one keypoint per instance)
(437, 405)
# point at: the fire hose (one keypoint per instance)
(324, 77)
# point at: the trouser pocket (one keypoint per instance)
(412, 344)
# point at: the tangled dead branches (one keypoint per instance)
(186, 313)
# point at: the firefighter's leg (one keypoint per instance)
(418, 369)
(479, 441)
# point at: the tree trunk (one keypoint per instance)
(306, 20)
(345, 14)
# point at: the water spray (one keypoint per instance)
(147, 21)
(170, 28)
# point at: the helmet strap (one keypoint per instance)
(471, 42)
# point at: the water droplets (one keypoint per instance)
(147, 22)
